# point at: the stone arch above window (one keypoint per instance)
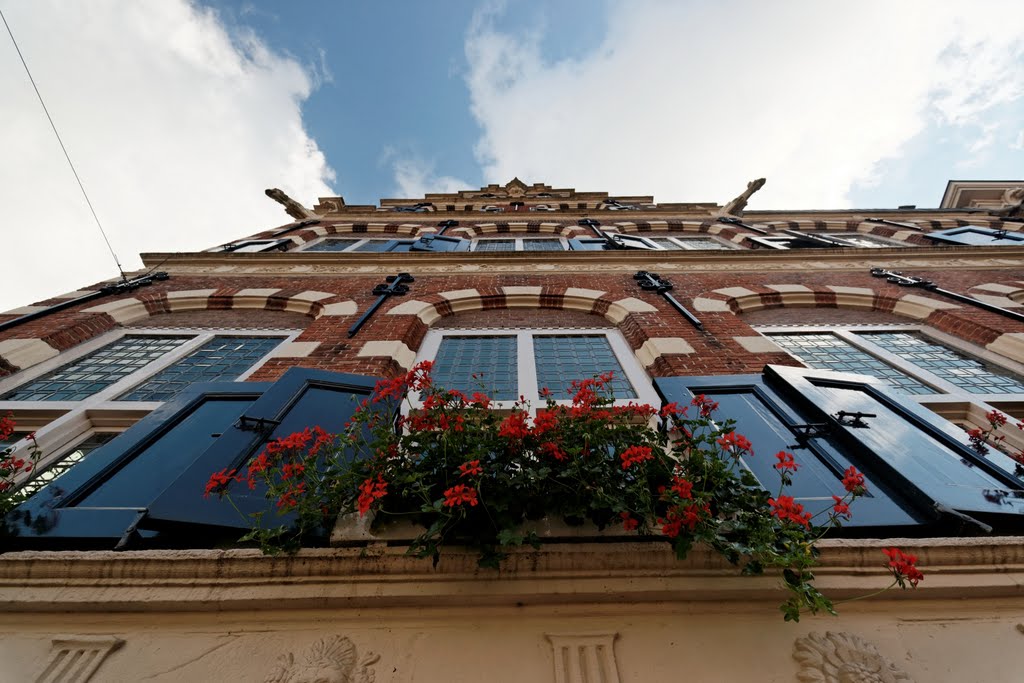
(433, 308)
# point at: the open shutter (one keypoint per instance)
(923, 454)
(440, 243)
(97, 502)
(773, 424)
(301, 398)
(586, 244)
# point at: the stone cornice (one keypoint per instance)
(323, 263)
(383, 576)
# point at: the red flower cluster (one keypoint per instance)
(672, 410)
(416, 379)
(853, 481)
(786, 462)
(470, 469)
(290, 498)
(704, 404)
(219, 481)
(788, 510)
(682, 488)
(514, 426)
(995, 418)
(545, 421)
(735, 443)
(634, 455)
(6, 426)
(459, 494)
(628, 522)
(841, 507)
(903, 567)
(682, 516)
(552, 449)
(370, 491)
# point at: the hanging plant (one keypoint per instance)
(474, 476)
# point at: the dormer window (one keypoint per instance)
(491, 208)
(543, 207)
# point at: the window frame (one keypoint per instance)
(682, 240)
(526, 377)
(518, 244)
(949, 401)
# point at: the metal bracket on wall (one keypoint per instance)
(394, 285)
(898, 278)
(650, 282)
(444, 225)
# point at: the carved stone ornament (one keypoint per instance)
(328, 660)
(76, 658)
(584, 658)
(835, 657)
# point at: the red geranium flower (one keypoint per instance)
(628, 522)
(853, 481)
(735, 443)
(786, 462)
(787, 509)
(634, 455)
(459, 494)
(219, 481)
(902, 566)
(370, 491)
(514, 426)
(471, 468)
(841, 507)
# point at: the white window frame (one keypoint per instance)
(683, 241)
(475, 242)
(527, 369)
(951, 402)
(61, 426)
(360, 241)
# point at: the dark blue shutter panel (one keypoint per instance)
(301, 398)
(96, 502)
(768, 420)
(586, 244)
(911, 446)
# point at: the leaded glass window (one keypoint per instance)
(334, 244)
(97, 371)
(966, 373)
(562, 359)
(220, 359)
(478, 363)
(826, 351)
(496, 245)
(66, 462)
(542, 245)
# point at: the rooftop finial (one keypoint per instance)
(736, 206)
(294, 209)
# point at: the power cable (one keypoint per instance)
(85, 194)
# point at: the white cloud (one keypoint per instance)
(689, 101)
(175, 126)
(414, 177)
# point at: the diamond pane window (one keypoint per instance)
(562, 359)
(375, 245)
(333, 244)
(542, 245)
(966, 373)
(665, 243)
(496, 245)
(491, 359)
(66, 462)
(97, 371)
(705, 243)
(220, 359)
(829, 352)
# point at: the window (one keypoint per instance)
(820, 240)
(334, 244)
(434, 243)
(935, 370)
(976, 235)
(256, 246)
(691, 243)
(520, 244)
(506, 364)
(76, 405)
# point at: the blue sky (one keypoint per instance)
(179, 113)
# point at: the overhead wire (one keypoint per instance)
(81, 186)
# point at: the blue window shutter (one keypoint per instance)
(586, 244)
(922, 453)
(301, 398)
(767, 418)
(96, 502)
